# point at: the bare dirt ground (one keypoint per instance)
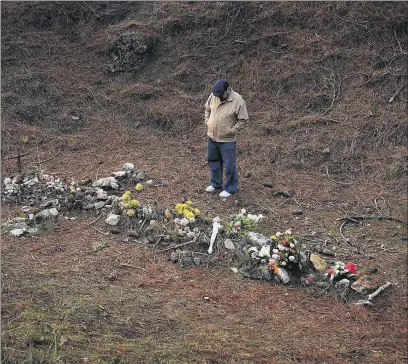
(317, 78)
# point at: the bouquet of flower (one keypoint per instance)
(129, 204)
(286, 251)
(187, 210)
(243, 222)
(341, 270)
(188, 215)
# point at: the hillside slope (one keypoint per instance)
(88, 86)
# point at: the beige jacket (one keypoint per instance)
(224, 119)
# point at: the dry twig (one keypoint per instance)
(46, 160)
(177, 246)
(340, 183)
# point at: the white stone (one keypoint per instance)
(17, 232)
(7, 181)
(149, 182)
(235, 270)
(229, 244)
(119, 174)
(53, 211)
(129, 167)
(112, 219)
(257, 238)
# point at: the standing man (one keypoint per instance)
(225, 115)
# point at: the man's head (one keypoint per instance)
(220, 89)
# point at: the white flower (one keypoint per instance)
(281, 247)
(292, 258)
(265, 251)
(278, 234)
(288, 232)
(243, 212)
(292, 245)
(276, 251)
(283, 263)
(191, 234)
(184, 221)
(275, 256)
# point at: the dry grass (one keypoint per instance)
(321, 126)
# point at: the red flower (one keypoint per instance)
(351, 267)
(330, 271)
(284, 242)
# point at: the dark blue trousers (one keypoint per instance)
(220, 156)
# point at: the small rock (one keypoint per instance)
(229, 244)
(321, 284)
(174, 257)
(248, 174)
(197, 261)
(114, 230)
(141, 176)
(267, 184)
(98, 205)
(149, 182)
(282, 193)
(129, 167)
(102, 196)
(119, 174)
(234, 270)
(257, 238)
(297, 212)
(17, 232)
(133, 234)
(112, 219)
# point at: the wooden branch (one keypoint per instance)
(46, 160)
(378, 291)
(18, 156)
(347, 240)
(340, 183)
(362, 217)
(95, 220)
(397, 92)
(372, 295)
(132, 266)
(177, 246)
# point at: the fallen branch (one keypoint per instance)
(46, 160)
(132, 266)
(340, 183)
(95, 220)
(397, 92)
(177, 246)
(99, 231)
(347, 240)
(18, 156)
(372, 295)
(378, 217)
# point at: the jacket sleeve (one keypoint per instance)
(242, 117)
(207, 110)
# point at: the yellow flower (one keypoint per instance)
(188, 214)
(126, 195)
(139, 187)
(179, 208)
(134, 203)
(189, 203)
(196, 211)
(127, 204)
(130, 212)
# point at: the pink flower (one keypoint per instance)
(330, 271)
(237, 225)
(351, 267)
